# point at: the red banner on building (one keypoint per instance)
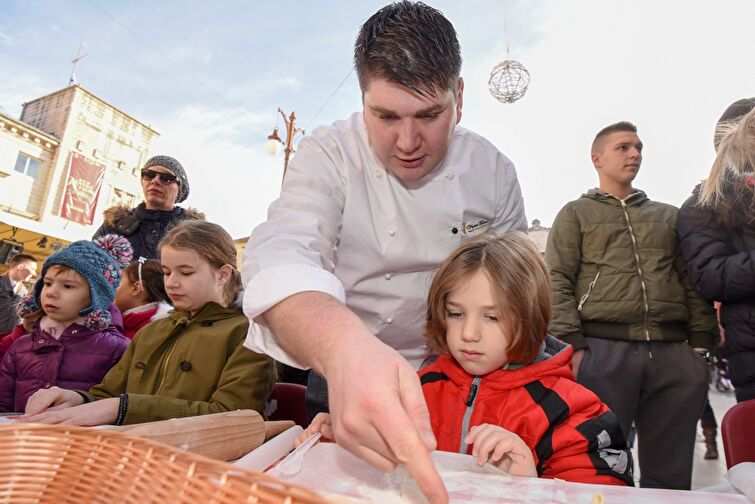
(82, 189)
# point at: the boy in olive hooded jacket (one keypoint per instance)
(622, 298)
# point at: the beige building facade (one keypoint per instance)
(35, 160)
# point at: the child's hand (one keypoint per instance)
(53, 398)
(320, 423)
(502, 448)
(102, 412)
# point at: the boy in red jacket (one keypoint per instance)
(502, 388)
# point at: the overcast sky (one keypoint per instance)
(209, 77)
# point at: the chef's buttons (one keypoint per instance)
(185, 365)
(388, 276)
(389, 320)
(378, 174)
(450, 176)
(391, 232)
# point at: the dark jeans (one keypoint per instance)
(662, 387)
(708, 418)
(317, 395)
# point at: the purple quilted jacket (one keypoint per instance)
(78, 360)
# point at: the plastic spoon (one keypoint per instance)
(292, 463)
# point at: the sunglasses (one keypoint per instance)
(165, 178)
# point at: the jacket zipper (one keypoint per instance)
(471, 398)
(583, 299)
(164, 370)
(645, 307)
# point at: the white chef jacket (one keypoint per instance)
(345, 226)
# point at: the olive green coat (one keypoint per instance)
(617, 273)
(179, 367)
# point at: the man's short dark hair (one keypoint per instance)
(411, 44)
(19, 258)
(613, 128)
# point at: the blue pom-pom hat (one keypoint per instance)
(100, 262)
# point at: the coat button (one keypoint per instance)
(454, 230)
(388, 276)
(450, 176)
(74, 331)
(41, 340)
(391, 232)
(185, 365)
(378, 174)
(389, 320)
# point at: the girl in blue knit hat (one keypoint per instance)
(77, 336)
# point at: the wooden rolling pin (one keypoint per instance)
(223, 436)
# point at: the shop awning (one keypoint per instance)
(37, 238)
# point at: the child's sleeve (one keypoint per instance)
(588, 447)
(8, 382)
(115, 381)
(245, 383)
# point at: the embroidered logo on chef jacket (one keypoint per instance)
(469, 228)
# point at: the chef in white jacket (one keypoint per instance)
(336, 279)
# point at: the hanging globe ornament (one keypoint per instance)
(508, 81)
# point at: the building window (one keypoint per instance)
(27, 165)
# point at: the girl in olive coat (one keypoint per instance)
(191, 363)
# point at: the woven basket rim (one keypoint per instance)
(52, 463)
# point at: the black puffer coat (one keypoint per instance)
(721, 262)
(144, 228)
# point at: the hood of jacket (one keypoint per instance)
(636, 197)
(554, 359)
(114, 214)
(211, 312)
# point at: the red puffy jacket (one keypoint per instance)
(573, 436)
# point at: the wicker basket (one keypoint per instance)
(63, 464)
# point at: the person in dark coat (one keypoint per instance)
(164, 184)
(716, 229)
(12, 289)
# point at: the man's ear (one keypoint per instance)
(459, 98)
(595, 160)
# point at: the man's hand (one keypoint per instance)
(576, 361)
(379, 412)
(502, 448)
(54, 398)
(102, 412)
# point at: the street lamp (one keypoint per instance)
(274, 141)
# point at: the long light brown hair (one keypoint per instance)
(213, 244)
(726, 189)
(521, 287)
